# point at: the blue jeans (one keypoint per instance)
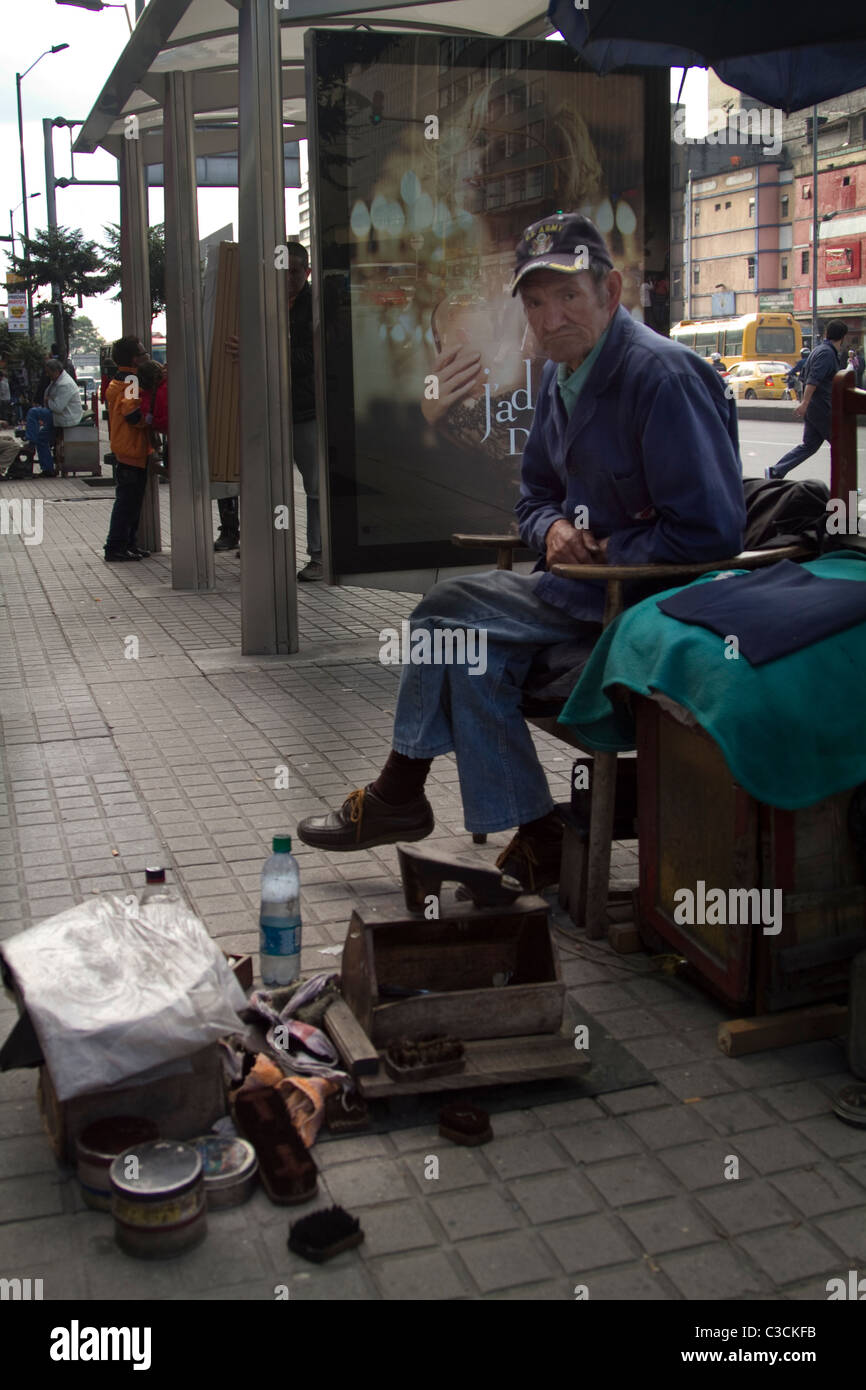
(444, 708)
(812, 441)
(39, 429)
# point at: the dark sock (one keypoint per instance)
(546, 827)
(401, 779)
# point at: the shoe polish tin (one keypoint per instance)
(158, 1199)
(97, 1147)
(230, 1170)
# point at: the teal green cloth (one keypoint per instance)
(572, 383)
(792, 731)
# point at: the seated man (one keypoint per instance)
(632, 459)
(62, 408)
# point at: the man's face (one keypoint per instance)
(140, 355)
(299, 273)
(568, 312)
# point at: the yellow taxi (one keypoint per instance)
(759, 381)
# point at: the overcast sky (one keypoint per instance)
(68, 84)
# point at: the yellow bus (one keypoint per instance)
(771, 336)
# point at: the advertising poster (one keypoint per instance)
(429, 156)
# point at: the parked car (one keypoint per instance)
(764, 381)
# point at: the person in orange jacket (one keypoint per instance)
(129, 437)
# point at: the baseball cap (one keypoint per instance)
(566, 241)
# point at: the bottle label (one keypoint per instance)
(280, 936)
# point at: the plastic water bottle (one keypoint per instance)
(156, 890)
(280, 917)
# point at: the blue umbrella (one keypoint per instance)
(823, 57)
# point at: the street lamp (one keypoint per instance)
(12, 212)
(19, 78)
(97, 5)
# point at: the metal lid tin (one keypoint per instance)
(99, 1144)
(230, 1169)
(159, 1206)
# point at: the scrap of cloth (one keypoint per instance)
(790, 730)
(771, 612)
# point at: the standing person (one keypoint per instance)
(304, 402)
(716, 360)
(856, 361)
(815, 408)
(62, 408)
(129, 437)
(303, 416)
(5, 399)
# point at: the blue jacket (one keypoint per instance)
(651, 450)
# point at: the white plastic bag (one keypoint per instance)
(114, 988)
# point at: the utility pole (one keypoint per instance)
(18, 79)
(814, 226)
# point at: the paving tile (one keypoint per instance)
(638, 1284)
(553, 1197)
(734, 1112)
(368, 1181)
(523, 1154)
(819, 1190)
(789, 1253)
(421, 1277)
(396, 1227)
(848, 1231)
(598, 1139)
(627, 1180)
(37, 1194)
(673, 1224)
(590, 1243)
(457, 1167)
(745, 1206)
(833, 1137)
(670, 1125)
(499, 1261)
(797, 1100)
(473, 1212)
(773, 1149)
(714, 1272)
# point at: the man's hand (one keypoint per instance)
(800, 410)
(568, 546)
(458, 371)
(232, 347)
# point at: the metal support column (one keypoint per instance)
(135, 299)
(269, 599)
(192, 563)
(51, 221)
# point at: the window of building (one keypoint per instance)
(517, 99)
(495, 193)
(846, 181)
(717, 208)
(697, 217)
(696, 275)
(804, 262)
(536, 92)
(727, 205)
(677, 284)
(535, 181)
(783, 206)
(535, 134)
(750, 267)
(806, 190)
(751, 207)
(783, 271)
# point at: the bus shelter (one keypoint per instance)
(210, 77)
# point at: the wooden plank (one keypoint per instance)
(467, 1014)
(350, 1040)
(744, 1035)
(492, 1062)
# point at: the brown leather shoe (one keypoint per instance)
(364, 820)
(533, 861)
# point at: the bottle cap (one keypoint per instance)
(282, 844)
(154, 875)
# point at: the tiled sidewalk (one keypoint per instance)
(113, 762)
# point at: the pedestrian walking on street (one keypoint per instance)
(815, 408)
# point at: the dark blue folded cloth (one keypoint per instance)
(772, 611)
